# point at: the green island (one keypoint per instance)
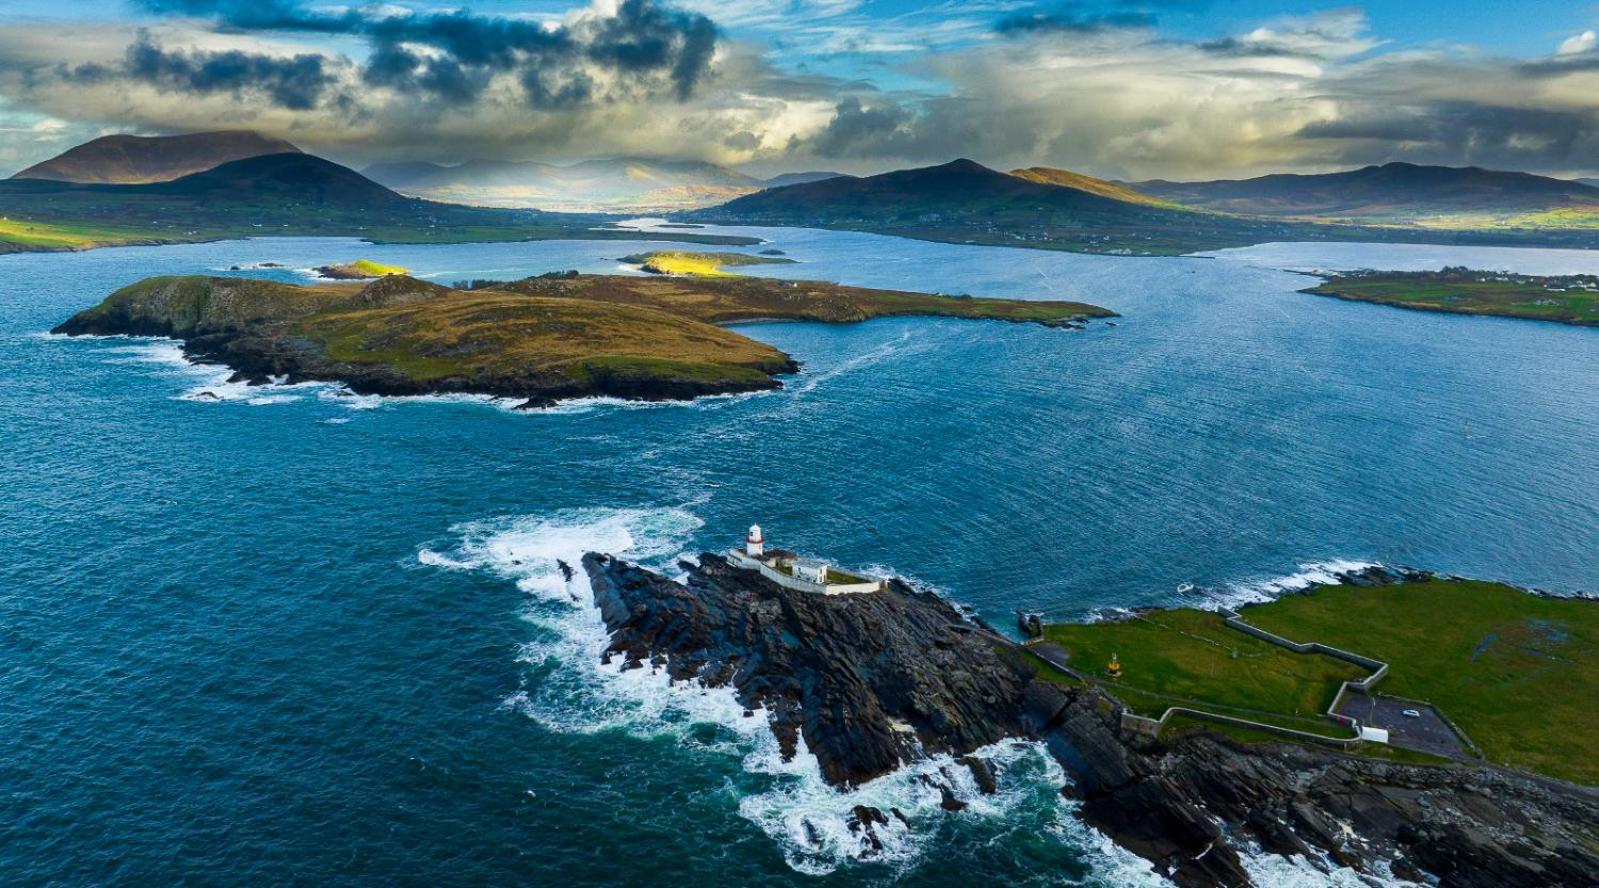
(360, 269)
(1566, 299)
(1517, 673)
(699, 264)
(542, 339)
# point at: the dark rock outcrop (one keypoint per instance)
(873, 681)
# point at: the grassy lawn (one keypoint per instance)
(27, 235)
(1188, 657)
(1504, 298)
(1519, 673)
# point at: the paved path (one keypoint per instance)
(1429, 733)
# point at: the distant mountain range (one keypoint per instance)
(965, 202)
(1392, 193)
(134, 160)
(619, 185)
(288, 193)
(123, 189)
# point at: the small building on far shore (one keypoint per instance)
(794, 572)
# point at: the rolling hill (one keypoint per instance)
(135, 160)
(786, 179)
(276, 194)
(1081, 182)
(1394, 193)
(300, 178)
(966, 202)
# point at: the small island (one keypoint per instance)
(539, 340)
(1566, 299)
(698, 264)
(868, 680)
(361, 269)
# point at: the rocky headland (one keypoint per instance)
(871, 682)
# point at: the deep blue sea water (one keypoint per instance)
(289, 637)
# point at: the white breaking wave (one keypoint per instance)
(209, 381)
(1313, 573)
(1297, 872)
(810, 820)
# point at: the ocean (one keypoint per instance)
(284, 635)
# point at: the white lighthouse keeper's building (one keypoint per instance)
(793, 572)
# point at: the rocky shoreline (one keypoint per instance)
(871, 682)
(258, 330)
(264, 359)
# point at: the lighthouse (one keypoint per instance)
(755, 543)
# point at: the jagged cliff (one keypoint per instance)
(872, 681)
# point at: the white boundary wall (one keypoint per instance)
(738, 557)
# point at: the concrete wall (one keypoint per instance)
(1378, 667)
(1140, 724)
(738, 557)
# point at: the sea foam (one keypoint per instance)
(813, 823)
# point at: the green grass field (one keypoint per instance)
(1518, 672)
(1188, 657)
(1502, 298)
(24, 235)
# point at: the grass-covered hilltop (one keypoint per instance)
(542, 339)
(1477, 671)
(1568, 299)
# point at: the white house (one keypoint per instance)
(811, 570)
(794, 572)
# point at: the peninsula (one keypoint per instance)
(1566, 299)
(875, 679)
(540, 340)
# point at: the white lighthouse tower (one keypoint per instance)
(755, 543)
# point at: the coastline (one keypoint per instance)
(1157, 797)
(1323, 289)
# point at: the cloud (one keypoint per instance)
(1578, 43)
(296, 82)
(881, 129)
(1296, 94)
(1072, 20)
(1081, 85)
(638, 48)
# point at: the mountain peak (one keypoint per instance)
(137, 160)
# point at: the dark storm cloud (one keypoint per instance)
(1467, 133)
(857, 130)
(296, 82)
(643, 43)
